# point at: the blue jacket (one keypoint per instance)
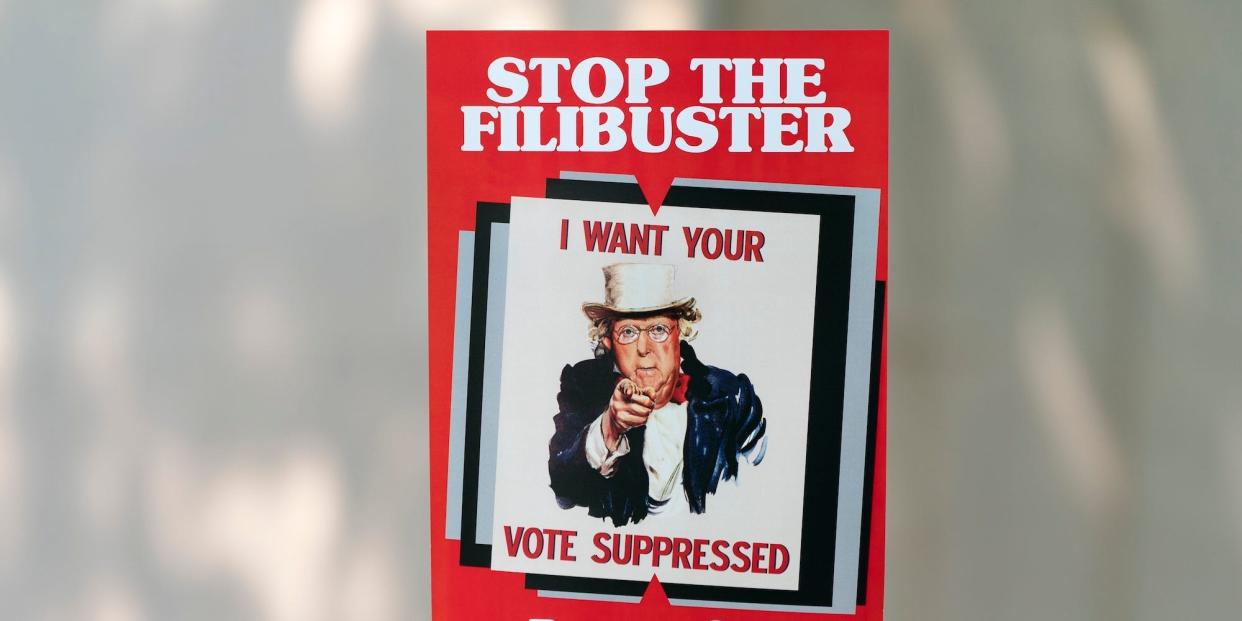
(723, 413)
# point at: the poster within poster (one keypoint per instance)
(486, 477)
(754, 307)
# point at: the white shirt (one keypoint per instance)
(662, 455)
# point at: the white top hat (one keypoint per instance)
(631, 288)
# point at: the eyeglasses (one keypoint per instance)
(657, 333)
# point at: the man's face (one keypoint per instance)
(650, 363)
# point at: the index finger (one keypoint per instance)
(640, 399)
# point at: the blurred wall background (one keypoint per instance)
(212, 325)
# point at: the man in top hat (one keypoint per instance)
(645, 427)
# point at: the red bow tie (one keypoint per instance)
(680, 388)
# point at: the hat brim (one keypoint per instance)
(595, 311)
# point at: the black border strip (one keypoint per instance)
(873, 420)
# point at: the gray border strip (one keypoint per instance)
(457, 411)
(489, 427)
(857, 378)
(589, 176)
(594, 597)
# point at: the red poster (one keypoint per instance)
(658, 266)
